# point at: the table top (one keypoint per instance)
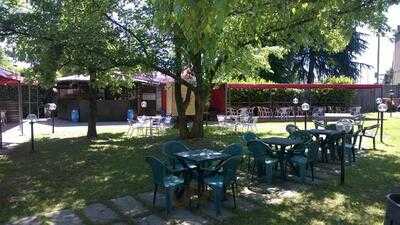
(324, 131)
(281, 141)
(201, 155)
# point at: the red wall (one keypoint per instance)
(217, 100)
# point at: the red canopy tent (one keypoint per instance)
(9, 78)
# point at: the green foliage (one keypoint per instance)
(322, 97)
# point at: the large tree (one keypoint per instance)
(317, 62)
(218, 40)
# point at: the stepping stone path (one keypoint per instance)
(64, 217)
(129, 206)
(100, 214)
(30, 220)
(151, 220)
(140, 213)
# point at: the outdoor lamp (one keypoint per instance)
(52, 107)
(305, 107)
(32, 119)
(295, 102)
(143, 104)
(382, 108)
(391, 95)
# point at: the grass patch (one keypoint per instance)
(74, 172)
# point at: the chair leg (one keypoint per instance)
(374, 142)
(168, 200)
(354, 153)
(217, 199)
(234, 195)
(155, 194)
(312, 171)
(269, 173)
(302, 170)
(359, 143)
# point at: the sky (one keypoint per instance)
(387, 48)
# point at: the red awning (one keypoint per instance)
(301, 86)
(9, 78)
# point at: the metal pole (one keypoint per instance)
(32, 138)
(52, 118)
(342, 167)
(381, 126)
(1, 133)
(378, 58)
(37, 101)
(305, 120)
(295, 112)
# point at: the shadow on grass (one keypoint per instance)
(74, 172)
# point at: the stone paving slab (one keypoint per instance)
(129, 206)
(30, 220)
(147, 198)
(211, 212)
(185, 217)
(64, 217)
(151, 220)
(100, 214)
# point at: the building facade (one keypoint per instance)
(396, 58)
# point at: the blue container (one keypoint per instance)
(75, 116)
(130, 115)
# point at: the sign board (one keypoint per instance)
(149, 96)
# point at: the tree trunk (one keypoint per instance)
(92, 132)
(200, 94)
(311, 67)
(181, 110)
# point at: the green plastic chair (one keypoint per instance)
(306, 160)
(246, 138)
(163, 178)
(302, 135)
(223, 177)
(290, 128)
(350, 146)
(169, 149)
(233, 150)
(264, 159)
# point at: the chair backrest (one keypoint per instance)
(221, 118)
(312, 149)
(169, 148)
(167, 120)
(233, 150)
(374, 128)
(319, 123)
(259, 150)
(290, 128)
(229, 168)
(157, 168)
(331, 127)
(255, 119)
(303, 135)
(249, 136)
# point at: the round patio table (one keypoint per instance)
(282, 143)
(200, 157)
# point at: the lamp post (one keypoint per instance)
(378, 102)
(32, 119)
(305, 107)
(143, 104)
(52, 107)
(382, 108)
(295, 103)
(391, 95)
(1, 131)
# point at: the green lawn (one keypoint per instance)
(73, 172)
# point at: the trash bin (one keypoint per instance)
(392, 216)
(130, 115)
(75, 116)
